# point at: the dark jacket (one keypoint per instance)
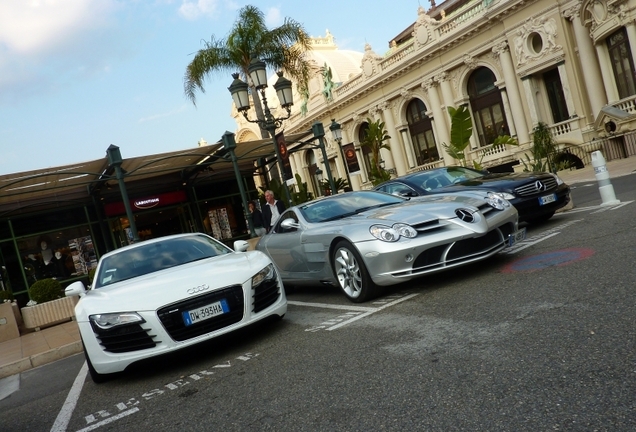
(267, 213)
(257, 219)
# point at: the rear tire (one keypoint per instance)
(351, 273)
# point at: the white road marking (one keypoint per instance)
(621, 205)
(539, 237)
(9, 385)
(332, 306)
(109, 420)
(64, 416)
(344, 323)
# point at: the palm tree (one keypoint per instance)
(281, 48)
(374, 139)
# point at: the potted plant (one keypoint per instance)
(48, 305)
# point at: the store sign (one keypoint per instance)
(351, 158)
(284, 155)
(146, 203)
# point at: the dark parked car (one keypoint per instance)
(536, 196)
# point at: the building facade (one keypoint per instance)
(512, 63)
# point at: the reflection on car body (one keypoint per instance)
(536, 196)
(168, 293)
(362, 240)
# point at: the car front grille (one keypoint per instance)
(172, 319)
(124, 338)
(462, 250)
(265, 295)
(536, 187)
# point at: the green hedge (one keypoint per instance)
(46, 290)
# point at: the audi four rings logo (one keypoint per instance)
(198, 289)
(540, 186)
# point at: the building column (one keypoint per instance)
(508, 112)
(396, 149)
(608, 75)
(532, 105)
(516, 106)
(588, 61)
(439, 124)
(447, 95)
(565, 85)
(408, 147)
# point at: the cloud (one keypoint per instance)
(273, 17)
(163, 115)
(191, 10)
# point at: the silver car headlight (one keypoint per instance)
(110, 320)
(392, 234)
(267, 273)
(558, 179)
(499, 200)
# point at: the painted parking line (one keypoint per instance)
(531, 241)
(354, 313)
(598, 208)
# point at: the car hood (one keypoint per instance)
(495, 181)
(422, 209)
(152, 291)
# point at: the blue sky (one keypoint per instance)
(79, 75)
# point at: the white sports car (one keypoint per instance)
(168, 293)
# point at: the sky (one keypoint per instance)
(79, 75)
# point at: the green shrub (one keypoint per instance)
(46, 290)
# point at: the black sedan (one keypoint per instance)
(536, 196)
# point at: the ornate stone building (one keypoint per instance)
(513, 63)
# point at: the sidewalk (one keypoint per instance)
(38, 348)
(54, 343)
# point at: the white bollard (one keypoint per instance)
(602, 176)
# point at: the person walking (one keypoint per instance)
(257, 219)
(272, 210)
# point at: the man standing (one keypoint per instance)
(272, 210)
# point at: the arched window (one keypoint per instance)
(367, 153)
(487, 106)
(421, 130)
(622, 63)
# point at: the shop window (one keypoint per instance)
(487, 106)
(61, 254)
(622, 63)
(556, 98)
(43, 222)
(421, 131)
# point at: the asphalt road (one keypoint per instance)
(540, 338)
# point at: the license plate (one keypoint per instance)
(547, 199)
(205, 312)
(516, 237)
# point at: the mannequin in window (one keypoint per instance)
(48, 268)
(59, 260)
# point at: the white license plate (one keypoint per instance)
(517, 237)
(547, 199)
(205, 312)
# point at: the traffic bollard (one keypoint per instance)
(605, 187)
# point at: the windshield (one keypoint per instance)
(343, 205)
(434, 179)
(155, 256)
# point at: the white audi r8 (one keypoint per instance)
(161, 295)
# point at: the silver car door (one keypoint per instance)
(284, 247)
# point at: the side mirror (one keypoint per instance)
(75, 289)
(289, 224)
(241, 245)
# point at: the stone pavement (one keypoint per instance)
(53, 343)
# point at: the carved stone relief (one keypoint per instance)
(370, 61)
(536, 39)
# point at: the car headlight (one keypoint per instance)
(266, 273)
(499, 200)
(392, 234)
(558, 179)
(110, 320)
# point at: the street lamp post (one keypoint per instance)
(319, 132)
(115, 160)
(283, 87)
(229, 144)
(336, 133)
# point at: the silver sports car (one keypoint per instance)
(363, 240)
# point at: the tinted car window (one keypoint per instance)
(345, 204)
(155, 256)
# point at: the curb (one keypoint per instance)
(36, 360)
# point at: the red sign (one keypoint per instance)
(146, 203)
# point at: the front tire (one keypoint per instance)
(351, 273)
(95, 376)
